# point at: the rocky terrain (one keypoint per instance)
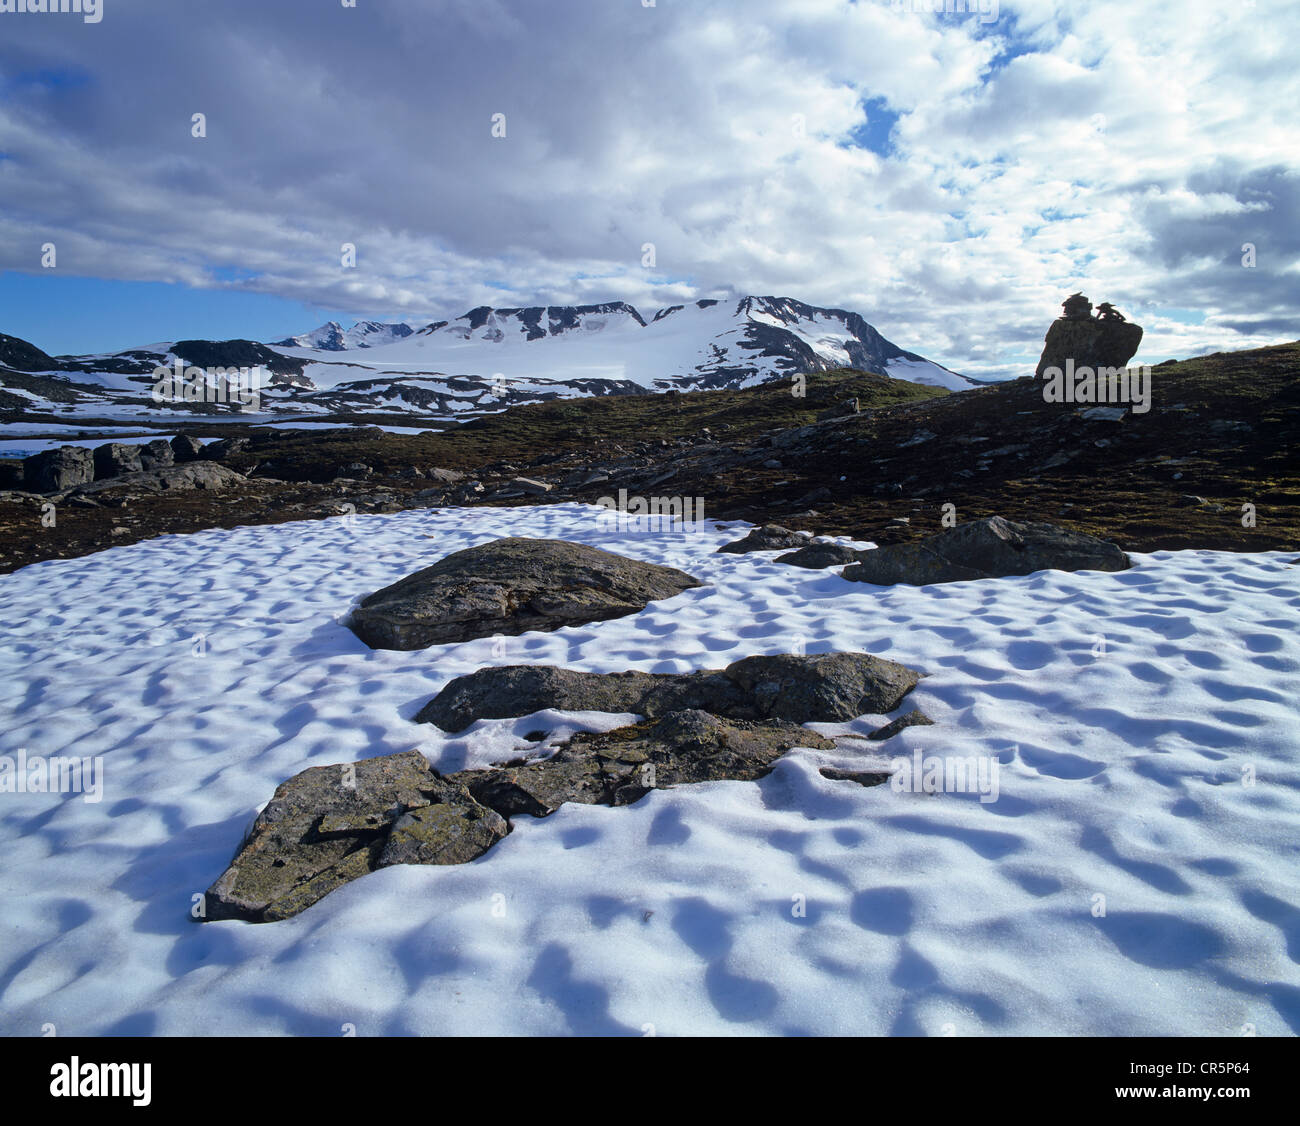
(857, 454)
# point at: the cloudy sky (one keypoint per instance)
(951, 177)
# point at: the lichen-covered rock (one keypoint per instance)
(331, 824)
(619, 767)
(982, 549)
(443, 833)
(826, 688)
(511, 586)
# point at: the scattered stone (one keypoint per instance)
(444, 476)
(353, 470)
(822, 688)
(769, 537)
(1104, 414)
(511, 586)
(914, 718)
(529, 486)
(818, 555)
(987, 548)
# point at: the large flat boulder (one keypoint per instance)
(331, 824)
(823, 688)
(619, 767)
(511, 586)
(203, 475)
(982, 549)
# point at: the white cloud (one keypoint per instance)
(1129, 150)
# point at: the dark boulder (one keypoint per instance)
(511, 586)
(1090, 342)
(157, 454)
(818, 555)
(52, 471)
(770, 537)
(115, 459)
(619, 767)
(185, 447)
(982, 549)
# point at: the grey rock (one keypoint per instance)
(52, 471)
(511, 586)
(116, 459)
(983, 549)
(619, 767)
(529, 486)
(205, 475)
(331, 824)
(223, 448)
(825, 688)
(770, 537)
(818, 555)
(444, 476)
(157, 454)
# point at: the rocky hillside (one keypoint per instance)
(1220, 435)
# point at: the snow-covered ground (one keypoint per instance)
(1129, 713)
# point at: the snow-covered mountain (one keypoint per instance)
(484, 361)
(330, 337)
(705, 344)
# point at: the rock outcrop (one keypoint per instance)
(818, 688)
(1093, 342)
(511, 586)
(332, 824)
(982, 549)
